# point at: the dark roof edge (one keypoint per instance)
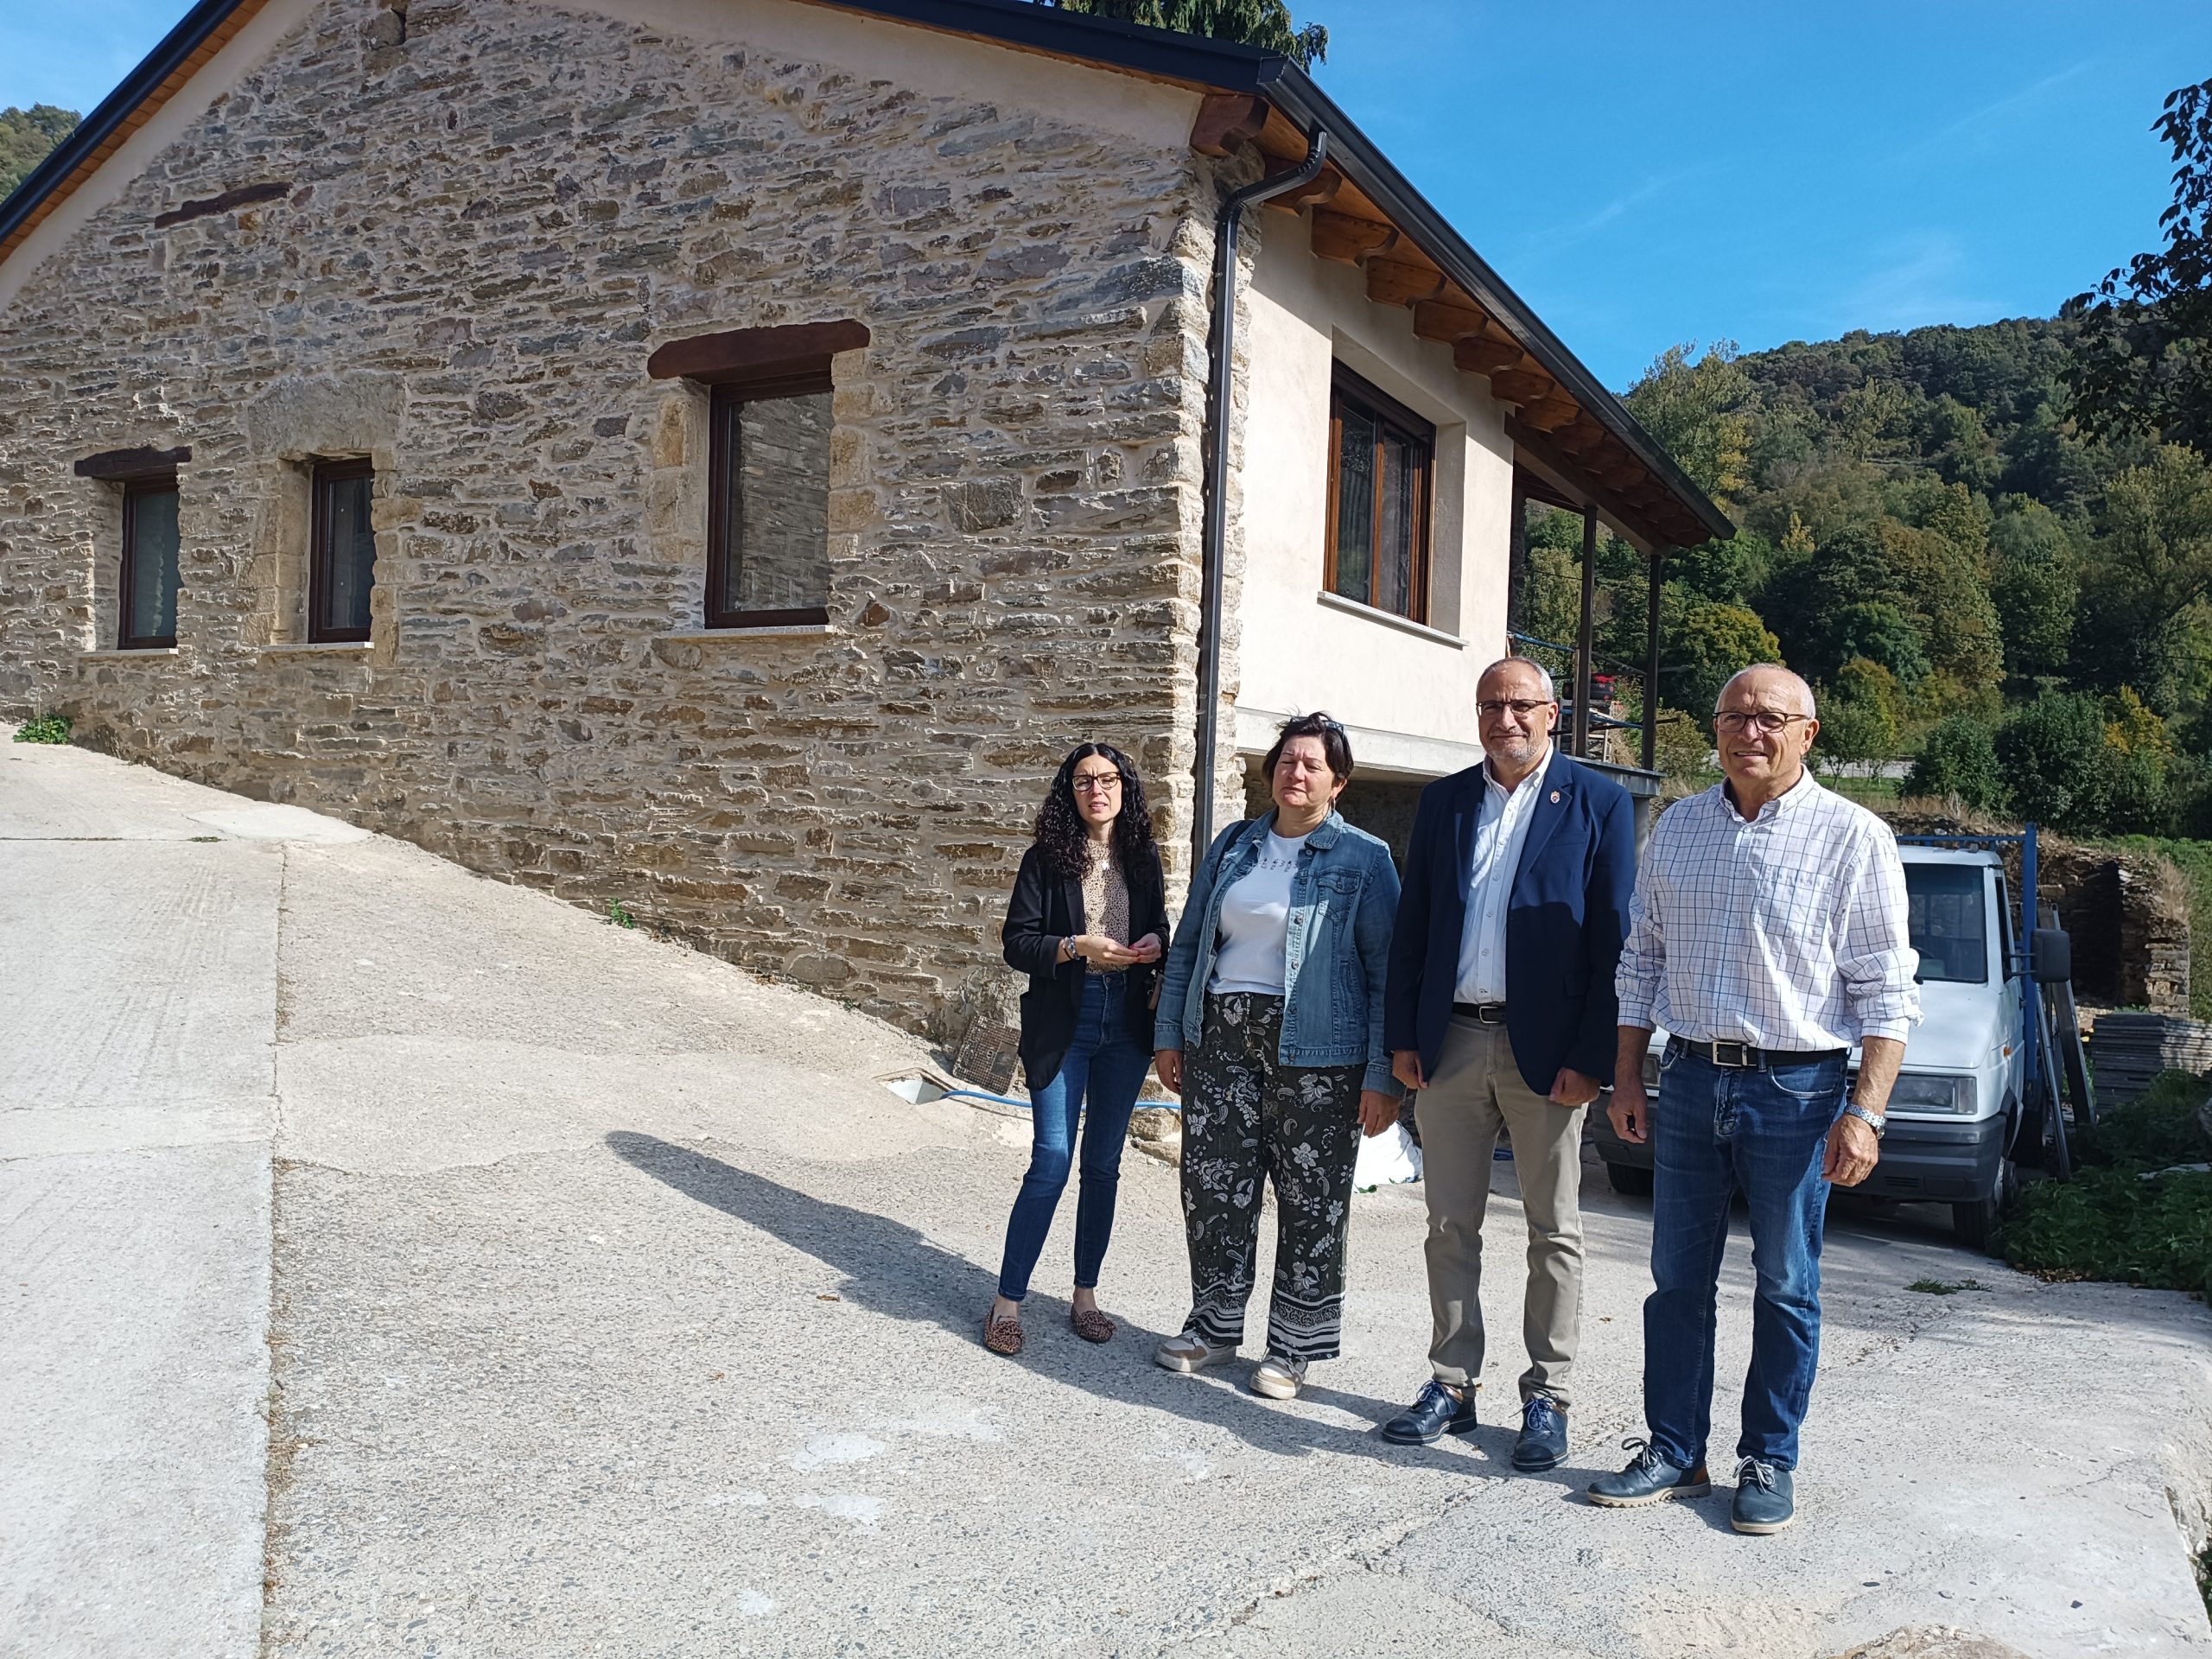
(1294, 93)
(179, 43)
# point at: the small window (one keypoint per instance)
(147, 591)
(769, 511)
(1949, 924)
(1379, 464)
(342, 562)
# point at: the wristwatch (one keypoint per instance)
(1873, 1121)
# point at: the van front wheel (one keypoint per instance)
(1629, 1179)
(1975, 1224)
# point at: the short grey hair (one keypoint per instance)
(1791, 677)
(1544, 674)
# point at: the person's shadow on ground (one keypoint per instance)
(890, 1269)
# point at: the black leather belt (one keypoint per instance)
(1488, 1013)
(1742, 1057)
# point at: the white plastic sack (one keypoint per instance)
(1390, 1159)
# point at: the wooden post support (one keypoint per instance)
(1651, 665)
(1584, 640)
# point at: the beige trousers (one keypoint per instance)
(1478, 1090)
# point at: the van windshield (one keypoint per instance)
(1950, 921)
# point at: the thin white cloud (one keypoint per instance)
(1993, 118)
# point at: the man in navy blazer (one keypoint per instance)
(1500, 1011)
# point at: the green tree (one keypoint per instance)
(1263, 24)
(25, 137)
(1707, 644)
(2143, 359)
(1861, 713)
(2147, 579)
(1958, 762)
(1695, 409)
(2035, 601)
(2060, 769)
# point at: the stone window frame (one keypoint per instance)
(132, 472)
(321, 474)
(724, 370)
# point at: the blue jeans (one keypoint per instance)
(1717, 1131)
(1104, 1067)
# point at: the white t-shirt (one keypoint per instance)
(1255, 922)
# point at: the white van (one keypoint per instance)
(1956, 1110)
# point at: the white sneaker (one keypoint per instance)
(1188, 1353)
(1278, 1378)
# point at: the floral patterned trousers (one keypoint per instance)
(1246, 1119)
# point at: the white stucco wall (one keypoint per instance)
(1408, 694)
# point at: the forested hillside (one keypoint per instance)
(1928, 538)
(25, 137)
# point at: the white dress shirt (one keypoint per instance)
(1790, 931)
(1501, 834)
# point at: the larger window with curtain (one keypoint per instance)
(342, 552)
(1381, 458)
(768, 513)
(147, 592)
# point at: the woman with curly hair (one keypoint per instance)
(1088, 922)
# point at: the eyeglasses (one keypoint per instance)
(1491, 707)
(1769, 721)
(1097, 783)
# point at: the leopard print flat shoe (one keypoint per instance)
(1091, 1325)
(1002, 1336)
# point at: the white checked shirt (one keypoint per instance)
(1500, 835)
(1790, 931)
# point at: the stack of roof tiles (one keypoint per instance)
(2128, 1051)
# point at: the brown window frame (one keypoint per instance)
(142, 484)
(1387, 412)
(727, 399)
(318, 550)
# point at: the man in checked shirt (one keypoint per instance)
(1768, 933)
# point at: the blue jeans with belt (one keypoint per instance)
(1716, 1131)
(1104, 1067)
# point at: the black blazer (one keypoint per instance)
(1047, 907)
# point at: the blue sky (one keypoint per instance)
(1644, 173)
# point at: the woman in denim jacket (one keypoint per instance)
(1270, 1028)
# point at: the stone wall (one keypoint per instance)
(491, 214)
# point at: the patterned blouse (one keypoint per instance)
(1105, 902)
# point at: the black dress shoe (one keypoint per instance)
(1542, 1444)
(1438, 1412)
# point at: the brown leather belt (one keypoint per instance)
(1487, 1014)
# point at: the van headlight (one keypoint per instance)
(1922, 1091)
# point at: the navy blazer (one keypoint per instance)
(1565, 922)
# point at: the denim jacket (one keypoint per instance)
(1344, 900)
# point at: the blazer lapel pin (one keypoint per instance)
(1554, 798)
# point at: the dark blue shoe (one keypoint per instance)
(1438, 1412)
(1648, 1478)
(1542, 1444)
(1766, 1498)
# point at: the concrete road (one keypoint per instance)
(405, 1264)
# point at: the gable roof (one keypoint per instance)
(1573, 438)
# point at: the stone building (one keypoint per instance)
(713, 456)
